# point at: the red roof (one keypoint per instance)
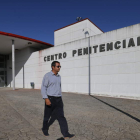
(25, 38)
(80, 21)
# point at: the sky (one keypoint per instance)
(38, 19)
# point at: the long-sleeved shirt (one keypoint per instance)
(51, 85)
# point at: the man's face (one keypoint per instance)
(57, 67)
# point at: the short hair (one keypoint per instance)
(54, 63)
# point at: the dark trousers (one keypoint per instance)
(53, 112)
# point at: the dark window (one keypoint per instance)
(1, 58)
(1, 72)
(1, 65)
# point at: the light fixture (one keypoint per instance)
(29, 43)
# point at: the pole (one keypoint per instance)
(89, 60)
(13, 64)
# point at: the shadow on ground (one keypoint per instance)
(136, 119)
(61, 138)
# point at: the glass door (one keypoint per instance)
(3, 74)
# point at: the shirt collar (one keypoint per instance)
(54, 74)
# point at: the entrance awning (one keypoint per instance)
(20, 43)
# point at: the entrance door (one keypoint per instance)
(2, 71)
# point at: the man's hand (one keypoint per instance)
(48, 102)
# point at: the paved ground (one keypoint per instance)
(89, 118)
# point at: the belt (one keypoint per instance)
(54, 96)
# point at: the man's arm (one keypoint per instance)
(44, 87)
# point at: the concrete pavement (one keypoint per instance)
(89, 117)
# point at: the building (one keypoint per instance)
(114, 60)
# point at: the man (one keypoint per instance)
(51, 92)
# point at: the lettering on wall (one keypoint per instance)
(97, 48)
(55, 57)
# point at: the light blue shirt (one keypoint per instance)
(51, 85)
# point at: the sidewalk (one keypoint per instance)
(89, 117)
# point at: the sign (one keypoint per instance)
(97, 48)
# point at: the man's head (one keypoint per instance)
(56, 66)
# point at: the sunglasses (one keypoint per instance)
(58, 66)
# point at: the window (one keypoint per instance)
(1, 58)
(1, 72)
(1, 65)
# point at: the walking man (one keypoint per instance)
(51, 93)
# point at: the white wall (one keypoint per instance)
(114, 73)
(21, 58)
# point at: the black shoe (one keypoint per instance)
(69, 136)
(45, 132)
